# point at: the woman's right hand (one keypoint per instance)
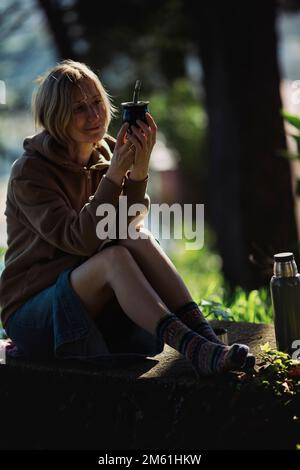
(123, 157)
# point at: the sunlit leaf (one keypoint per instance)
(265, 347)
(219, 312)
(291, 118)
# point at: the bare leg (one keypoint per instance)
(115, 269)
(159, 270)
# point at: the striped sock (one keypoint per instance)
(191, 315)
(207, 358)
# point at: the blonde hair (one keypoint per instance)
(51, 101)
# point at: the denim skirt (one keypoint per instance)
(54, 324)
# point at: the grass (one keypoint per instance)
(201, 271)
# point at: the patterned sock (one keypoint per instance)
(207, 358)
(191, 315)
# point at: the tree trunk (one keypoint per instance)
(54, 14)
(251, 202)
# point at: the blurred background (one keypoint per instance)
(217, 77)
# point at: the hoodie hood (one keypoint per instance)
(46, 147)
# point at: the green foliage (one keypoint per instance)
(294, 121)
(254, 307)
(201, 272)
(182, 119)
(268, 397)
(2, 251)
(277, 377)
(278, 372)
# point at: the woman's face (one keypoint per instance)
(87, 124)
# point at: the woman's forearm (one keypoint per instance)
(115, 176)
(138, 174)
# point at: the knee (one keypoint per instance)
(144, 241)
(116, 255)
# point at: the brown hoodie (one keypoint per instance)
(51, 215)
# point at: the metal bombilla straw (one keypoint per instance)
(137, 89)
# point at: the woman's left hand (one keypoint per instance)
(143, 138)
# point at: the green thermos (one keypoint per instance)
(285, 294)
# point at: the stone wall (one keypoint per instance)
(130, 403)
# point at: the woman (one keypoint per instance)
(64, 291)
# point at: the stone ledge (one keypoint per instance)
(133, 403)
(167, 366)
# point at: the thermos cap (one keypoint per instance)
(282, 257)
